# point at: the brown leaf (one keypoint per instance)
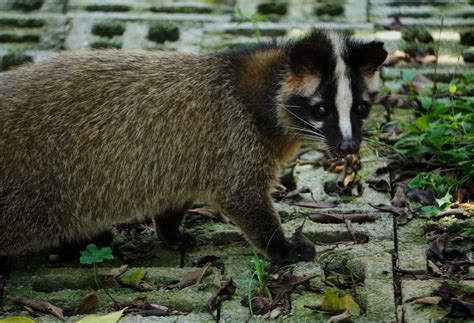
(456, 212)
(340, 218)
(399, 198)
(380, 185)
(395, 57)
(437, 247)
(39, 307)
(425, 59)
(461, 309)
(388, 208)
(422, 196)
(192, 278)
(396, 24)
(114, 272)
(143, 286)
(203, 260)
(260, 305)
(87, 304)
(316, 204)
(340, 318)
(141, 306)
(428, 300)
(298, 191)
(224, 293)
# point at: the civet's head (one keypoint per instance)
(329, 87)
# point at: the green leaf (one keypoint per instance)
(422, 123)
(409, 75)
(17, 319)
(93, 255)
(430, 210)
(444, 201)
(351, 306)
(134, 277)
(331, 303)
(452, 89)
(425, 101)
(109, 318)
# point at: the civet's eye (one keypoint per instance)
(321, 111)
(362, 110)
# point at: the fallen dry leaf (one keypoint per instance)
(298, 191)
(422, 196)
(340, 218)
(141, 306)
(114, 272)
(192, 278)
(224, 293)
(87, 304)
(316, 204)
(142, 286)
(203, 260)
(428, 300)
(38, 308)
(426, 59)
(380, 185)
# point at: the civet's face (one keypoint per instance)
(329, 89)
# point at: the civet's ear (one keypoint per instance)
(301, 57)
(370, 56)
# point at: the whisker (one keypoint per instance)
(304, 121)
(304, 130)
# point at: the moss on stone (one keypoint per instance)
(467, 37)
(273, 8)
(335, 8)
(108, 28)
(106, 43)
(161, 32)
(417, 35)
(414, 49)
(26, 5)
(14, 58)
(108, 7)
(183, 9)
(22, 22)
(468, 55)
(19, 38)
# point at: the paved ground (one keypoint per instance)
(200, 26)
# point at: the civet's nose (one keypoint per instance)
(347, 147)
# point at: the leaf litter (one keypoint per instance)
(280, 286)
(459, 302)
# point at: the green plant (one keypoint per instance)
(468, 230)
(260, 273)
(254, 19)
(93, 256)
(442, 137)
(440, 185)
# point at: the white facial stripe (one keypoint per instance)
(343, 99)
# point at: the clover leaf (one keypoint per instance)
(94, 255)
